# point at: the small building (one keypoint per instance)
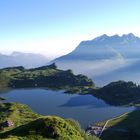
(8, 123)
(94, 130)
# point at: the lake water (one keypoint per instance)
(84, 108)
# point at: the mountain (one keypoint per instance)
(24, 59)
(104, 55)
(106, 47)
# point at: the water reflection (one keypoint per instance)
(85, 100)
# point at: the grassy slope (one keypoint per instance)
(18, 113)
(29, 125)
(126, 127)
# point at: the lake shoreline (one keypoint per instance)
(63, 104)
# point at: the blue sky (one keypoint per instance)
(56, 27)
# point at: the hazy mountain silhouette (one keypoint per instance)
(22, 59)
(106, 47)
(105, 58)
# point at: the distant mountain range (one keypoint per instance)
(22, 59)
(106, 47)
(105, 58)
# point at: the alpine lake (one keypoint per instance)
(86, 109)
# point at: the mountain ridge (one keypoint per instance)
(102, 40)
(102, 55)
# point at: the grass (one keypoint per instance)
(126, 127)
(30, 126)
(17, 113)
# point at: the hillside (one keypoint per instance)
(45, 76)
(119, 93)
(125, 127)
(18, 113)
(29, 125)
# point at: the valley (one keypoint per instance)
(80, 92)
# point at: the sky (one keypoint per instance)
(55, 27)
